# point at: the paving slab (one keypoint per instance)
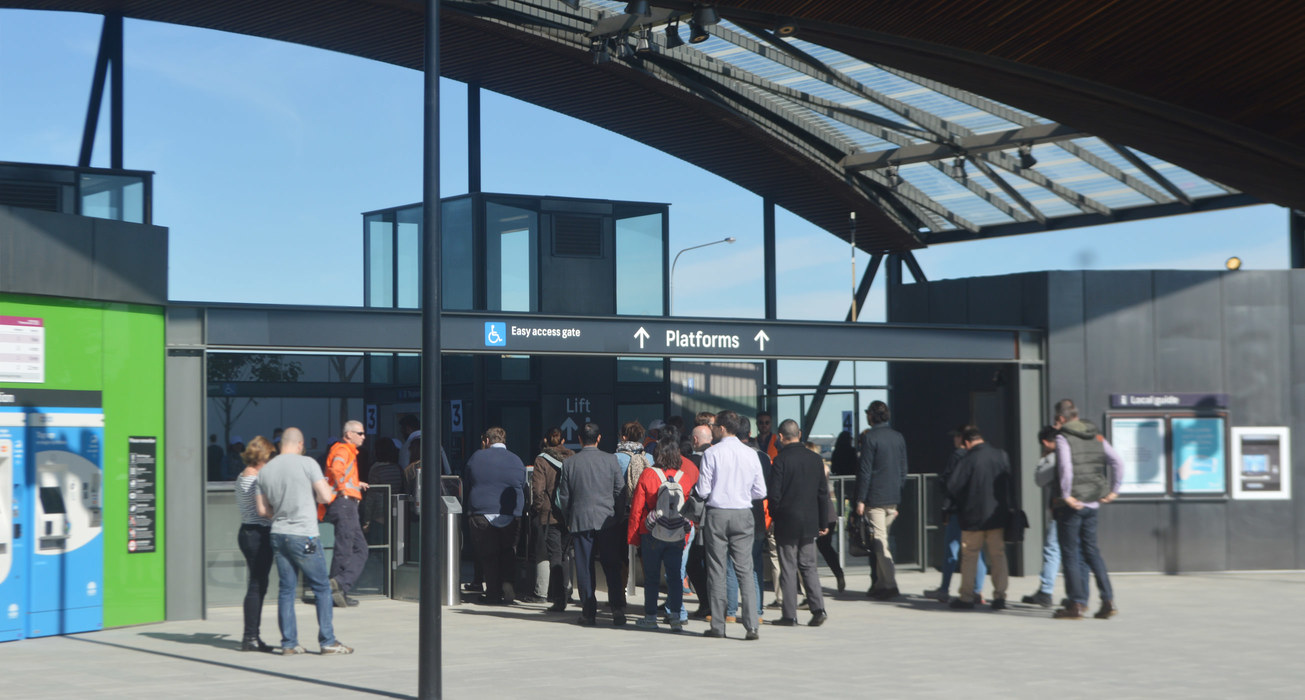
(1190, 636)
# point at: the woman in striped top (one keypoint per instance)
(255, 539)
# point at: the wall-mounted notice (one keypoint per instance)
(142, 471)
(1261, 463)
(1140, 443)
(1199, 458)
(22, 349)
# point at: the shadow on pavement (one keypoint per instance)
(220, 641)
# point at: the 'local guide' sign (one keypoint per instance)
(528, 335)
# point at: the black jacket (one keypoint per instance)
(981, 488)
(883, 467)
(799, 493)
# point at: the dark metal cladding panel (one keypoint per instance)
(52, 254)
(1198, 535)
(1189, 335)
(1132, 536)
(1120, 338)
(131, 262)
(1297, 419)
(910, 303)
(1262, 535)
(1036, 301)
(1257, 333)
(949, 301)
(995, 301)
(1066, 349)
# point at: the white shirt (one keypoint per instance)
(730, 476)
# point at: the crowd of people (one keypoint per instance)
(704, 508)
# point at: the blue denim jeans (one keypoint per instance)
(1079, 553)
(952, 557)
(292, 558)
(1050, 560)
(732, 580)
(659, 556)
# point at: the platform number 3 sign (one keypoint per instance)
(455, 415)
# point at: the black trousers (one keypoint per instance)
(350, 554)
(608, 546)
(255, 543)
(696, 569)
(496, 550)
(825, 544)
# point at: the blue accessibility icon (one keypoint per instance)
(495, 334)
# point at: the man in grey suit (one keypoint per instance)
(588, 491)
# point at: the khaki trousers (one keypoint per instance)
(881, 557)
(994, 542)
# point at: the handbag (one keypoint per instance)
(1017, 521)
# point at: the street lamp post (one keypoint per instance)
(728, 239)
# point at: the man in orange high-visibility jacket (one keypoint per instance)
(350, 547)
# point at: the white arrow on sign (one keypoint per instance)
(570, 427)
(761, 338)
(642, 335)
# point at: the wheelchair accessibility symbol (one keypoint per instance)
(495, 334)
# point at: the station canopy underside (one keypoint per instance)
(934, 121)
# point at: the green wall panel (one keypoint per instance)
(118, 350)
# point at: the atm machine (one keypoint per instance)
(65, 473)
(13, 555)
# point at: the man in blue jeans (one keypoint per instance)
(1090, 473)
(289, 489)
(1045, 475)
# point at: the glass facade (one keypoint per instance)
(512, 253)
(638, 270)
(407, 258)
(458, 255)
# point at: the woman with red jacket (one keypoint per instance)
(659, 554)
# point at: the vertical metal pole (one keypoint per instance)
(772, 298)
(114, 23)
(97, 97)
(473, 137)
(430, 673)
(1296, 228)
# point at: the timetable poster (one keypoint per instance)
(1140, 443)
(22, 350)
(1199, 456)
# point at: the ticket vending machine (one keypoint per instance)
(13, 554)
(64, 451)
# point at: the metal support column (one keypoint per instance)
(1296, 237)
(110, 53)
(429, 670)
(473, 137)
(772, 299)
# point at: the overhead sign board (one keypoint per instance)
(663, 337)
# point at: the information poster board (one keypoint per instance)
(1261, 463)
(22, 349)
(1199, 455)
(142, 506)
(1140, 442)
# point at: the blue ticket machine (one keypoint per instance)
(65, 465)
(13, 554)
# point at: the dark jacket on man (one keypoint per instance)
(981, 488)
(948, 504)
(495, 480)
(883, 467)
(799, 493)
(543, 483)
(589, 489)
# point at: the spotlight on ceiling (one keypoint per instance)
(697, 32)
(640, 7)
(786, 27)
(1026, 156)
(705, 15)
(673, 39)
(645, 41)
(598, 49)
(623, 47)
(958, 168)
(893, 178)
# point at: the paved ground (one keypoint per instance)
(1195, 636)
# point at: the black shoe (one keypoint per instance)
(309, 600)
(254, 644)
(805, 604)
(700, 614)
(473, 588)
(486, 600)
(818, 618)
(586, 621)
(958, 604)
(1039, 598)
(559, 606)
(785, 622)
(531, 598)
(752, 635)
(998, 604)
(883, 593)
(618, 618)
(774, 605)
(712, 632)
(842, 582)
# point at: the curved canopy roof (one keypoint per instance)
(933, 121)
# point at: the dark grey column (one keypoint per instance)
(772, 299)
(1296, 229)
(473, 137)
(184, 482)
(429, 671)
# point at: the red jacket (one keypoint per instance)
(644, 498)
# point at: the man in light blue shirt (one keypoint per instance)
(729, 481)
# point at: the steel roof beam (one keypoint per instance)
(1010, 191)
(978, 143)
